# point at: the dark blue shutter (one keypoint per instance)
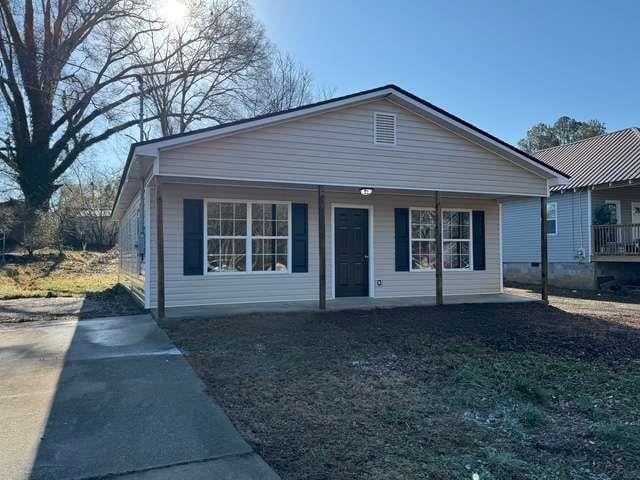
(300, 240)
(193, 237)
(479, 262)
(402, 239)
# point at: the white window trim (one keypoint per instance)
(470, 240)
(395, 129)
(554, 234)
(248, 238)
(411, 269)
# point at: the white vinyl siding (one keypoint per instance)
(335, 148)
(256, 287)
(130, 248)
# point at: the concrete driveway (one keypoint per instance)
(111, 396)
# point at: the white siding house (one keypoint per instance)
(241, 204)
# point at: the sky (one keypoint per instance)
(501, 65)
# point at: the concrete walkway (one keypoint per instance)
(113, 396)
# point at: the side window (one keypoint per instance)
(552, 218)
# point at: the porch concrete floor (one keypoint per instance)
(337, 304)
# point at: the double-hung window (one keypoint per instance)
(552, 218)
(423, 239)
(269, 237)
(226, 237)
(247, 237)
(456, 240)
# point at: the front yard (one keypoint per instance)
(53, 286)
(504, 391)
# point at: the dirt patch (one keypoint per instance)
(504, 391)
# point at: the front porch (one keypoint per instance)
(343, 250)
(615, 230)
(335, 304)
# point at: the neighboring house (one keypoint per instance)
(594, 220)
(243, 205)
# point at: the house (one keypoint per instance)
(342, 198)
(593, 220)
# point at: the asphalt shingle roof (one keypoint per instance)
(610, 158)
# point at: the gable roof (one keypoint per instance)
(610, 158)
(392, 92)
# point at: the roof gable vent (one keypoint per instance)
(384, 128)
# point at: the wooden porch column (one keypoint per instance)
(439, 294)
(322, 267)
(544, 255)
(160, 251)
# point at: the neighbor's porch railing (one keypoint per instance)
(616, 240)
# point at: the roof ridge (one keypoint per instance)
(588, 139)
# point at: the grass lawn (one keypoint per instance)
(48, 274)
(518, 391)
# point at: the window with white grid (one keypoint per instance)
(423, 239)
(226, 237)
(269, 237)
(456, 240)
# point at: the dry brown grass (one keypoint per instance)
(48, 274)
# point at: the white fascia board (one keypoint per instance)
(134, 159)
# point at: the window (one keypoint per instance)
(237, 231)
(269, 237)
(614, 209)
(423, 239)
(552, 218)
(226, 237)
(456, 240)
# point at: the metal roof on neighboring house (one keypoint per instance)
(610, 158)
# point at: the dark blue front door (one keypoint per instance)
(352, 252)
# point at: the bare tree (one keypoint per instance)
(68, 72)
(219, 47)
(86, 202)
(282, 85)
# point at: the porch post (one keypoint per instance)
(160, 251)
(322, 267)
(439, 295)
(544, 256)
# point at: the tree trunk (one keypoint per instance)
(35, 180)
